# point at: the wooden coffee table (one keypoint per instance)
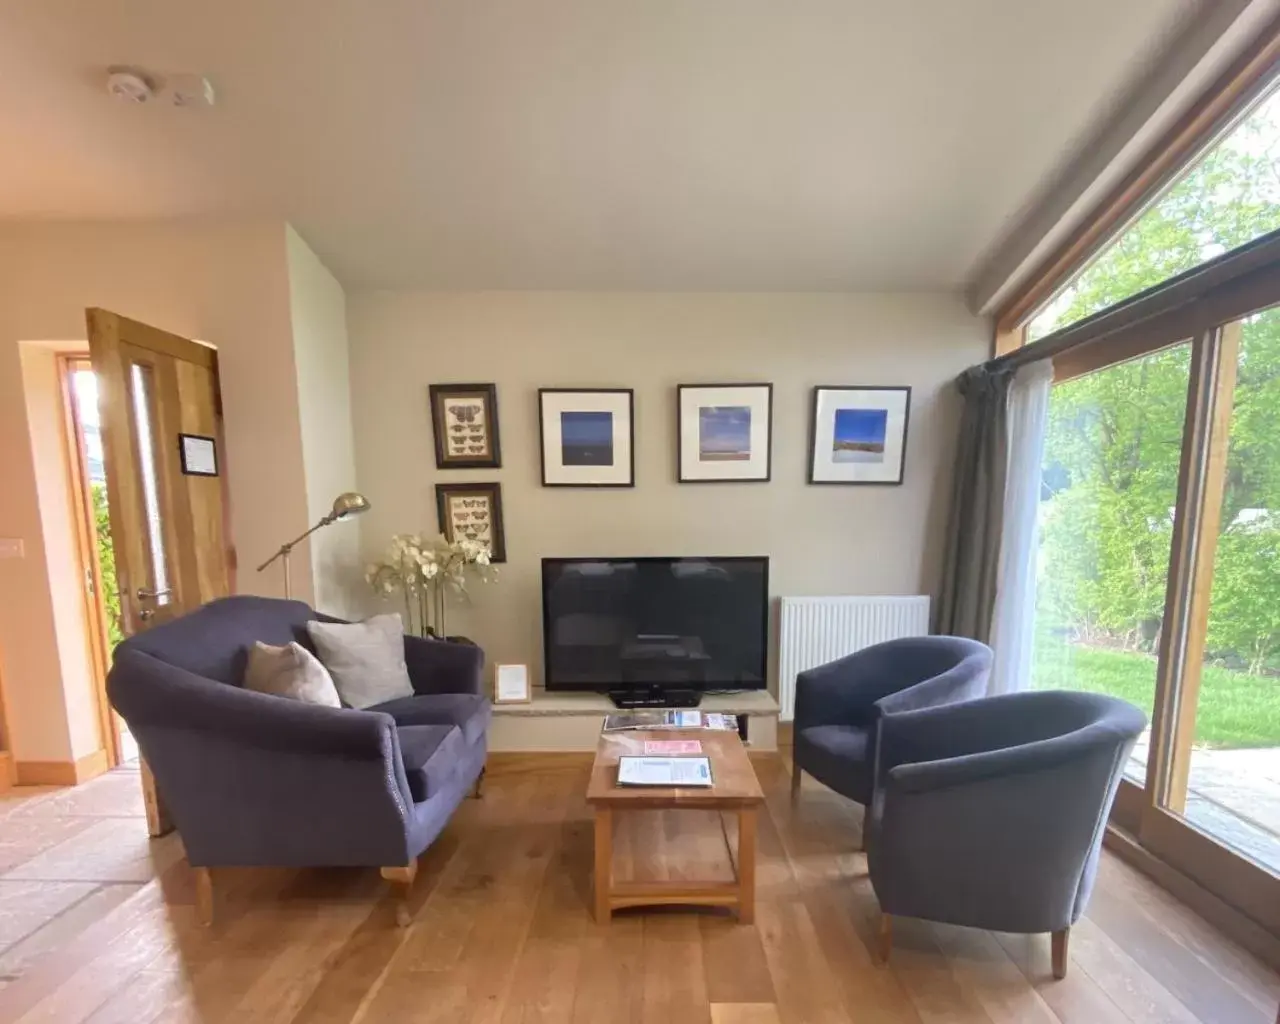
(736, 789)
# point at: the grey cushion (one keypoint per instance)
(291, 671)
(366, 659)
(431, 755)
(468, 711)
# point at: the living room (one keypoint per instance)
(892, 382)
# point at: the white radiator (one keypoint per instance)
(816, 630)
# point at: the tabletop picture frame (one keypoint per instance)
(511, 684)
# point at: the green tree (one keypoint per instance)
(1114, 438)
(106, 562)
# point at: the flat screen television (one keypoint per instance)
(656, 624)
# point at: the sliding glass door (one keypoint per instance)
(1158, 581)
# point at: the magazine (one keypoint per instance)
(670, 720)
(664, 771)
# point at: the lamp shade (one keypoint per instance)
(349, 503)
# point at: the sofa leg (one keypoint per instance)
(204, 895)
(401, 879)
(885, 939)
(477, 790)
(795, 781)
(1061, 942)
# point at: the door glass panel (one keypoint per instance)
(1232, 787)
(1110, 481)
(140, 384)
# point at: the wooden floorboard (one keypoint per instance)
(98, 926)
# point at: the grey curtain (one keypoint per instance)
(966, 602)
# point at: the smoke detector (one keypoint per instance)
(134, 85)
(129, 85)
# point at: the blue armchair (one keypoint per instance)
(839, 706)
(991, 813)
(256, 780)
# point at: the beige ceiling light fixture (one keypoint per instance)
(134, 85)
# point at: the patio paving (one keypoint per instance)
(1233, 795)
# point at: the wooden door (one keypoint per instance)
(159, 408)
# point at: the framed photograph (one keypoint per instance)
(858, 435)
(464, 419)
(724, 432)
(587, 437)
(511, 684)
(199, 455)
(473, 511)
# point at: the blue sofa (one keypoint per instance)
(251, 779)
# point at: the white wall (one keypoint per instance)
(319, 319)
(224, 283)
(822, 540)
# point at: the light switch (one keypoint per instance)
(11, 547)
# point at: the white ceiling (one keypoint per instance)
(664, 144)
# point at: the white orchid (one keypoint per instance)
(421, 567)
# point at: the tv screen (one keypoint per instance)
(677, 623)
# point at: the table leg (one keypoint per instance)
(747, 865)
(604, 864)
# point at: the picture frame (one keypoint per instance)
(724, 433)
(587, 437)
(858, 434)
(474, 511)
(511, 684)
(464, 425)
(198, 455)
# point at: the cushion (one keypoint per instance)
(291, 671)
(366, 659)
(836, 755)
(468, 711)
(431, 755)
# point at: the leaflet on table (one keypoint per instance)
(664, 771)
(657, 748)
(669, 720)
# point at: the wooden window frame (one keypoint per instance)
(1214, 112)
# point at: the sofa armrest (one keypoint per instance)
(147, 691)
(440, 666)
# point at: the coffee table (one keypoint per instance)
(736, 789)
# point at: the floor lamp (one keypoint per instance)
(344, 505)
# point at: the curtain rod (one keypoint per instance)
(1223, 274)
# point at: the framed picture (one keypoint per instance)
(858, 435)
(464, 419)
(511, 684)
(724, 432)
(474, 512)
(587, 437)
(199, 455)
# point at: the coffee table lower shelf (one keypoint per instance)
(740, 894)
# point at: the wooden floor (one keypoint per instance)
(98, 925)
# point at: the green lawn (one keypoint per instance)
(1235, 708)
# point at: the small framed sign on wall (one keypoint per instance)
(199, 455)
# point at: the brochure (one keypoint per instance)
(664, 771)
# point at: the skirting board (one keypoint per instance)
(6, 770)
(62, 773)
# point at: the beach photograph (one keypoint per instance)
(859, 435)
(586, 438)
(724, 433)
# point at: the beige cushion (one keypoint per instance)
(291, 671)
(366, 659)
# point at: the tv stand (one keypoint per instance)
(655, 697)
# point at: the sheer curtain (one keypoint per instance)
(1013, 623)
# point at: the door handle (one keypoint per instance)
(153, 595)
